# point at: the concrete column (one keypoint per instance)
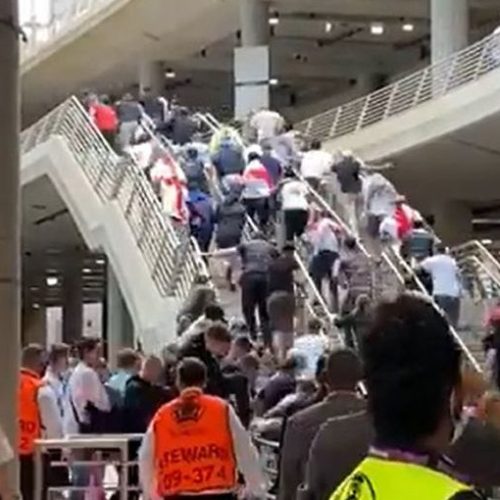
(449, 27)
(119, 327)
(10, 248)
(251, 60)
(453, 222)
(254, 23)
(152, 76)
(34, 326)
(72, 317)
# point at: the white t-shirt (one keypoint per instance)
(311, 347)
(267, 123)
(84, 386)
(388, 230)
(445, 275)
(315, 164)
(294, 195)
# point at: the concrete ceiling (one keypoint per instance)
(308, 61)
(50, 243)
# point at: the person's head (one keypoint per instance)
(127, 97)
(89, 350)
(249, 365)
(314, 326)
(316, 145)
(152, 369)
(104, 99)
(288, 250)
(128, 360)
(441, 248)
(192, 153)
(218, 340)
(191, 372)
(362, 302)
(418, 224)
(412, 373)
(214, 312)
(305, 387)
(290, 364)
(33, 358)
(253, 156)
(343, 370)
(267, 147)
(240, 346)
(58, 358)
(350, 243)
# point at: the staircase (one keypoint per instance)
(117, 212)
(310, 303)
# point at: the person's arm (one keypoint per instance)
(146, 463)
(247, 457)
(49, 413)
(6, 455)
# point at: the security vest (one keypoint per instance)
(193, 446)
(30, 428)
(380, 479)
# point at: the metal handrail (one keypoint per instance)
(434, 81)
(77, 13)
(251, 228)
(119, 179)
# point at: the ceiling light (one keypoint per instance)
(36, 306)
(377, 29)
(51, 281)
(408, 27)
(273, 82)
(170, 73)
(274, 20)
(100, 262)
(86, 270)
(487, 242)
(328, 27)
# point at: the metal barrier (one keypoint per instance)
(173, 264)
(435, 81)
(81, 452)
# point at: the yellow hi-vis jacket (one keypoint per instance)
(379, 479)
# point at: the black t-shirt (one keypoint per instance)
(281, 274)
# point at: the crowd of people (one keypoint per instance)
(393, 414)
(400, 407)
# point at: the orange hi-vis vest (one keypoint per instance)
(193, 446)
(30, 428)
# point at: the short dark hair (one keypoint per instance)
(31, 354)
(58, 351)
(244, 343)
(86, 345)
(315, 144)
(219, 332)
(191, 372)
(314, 325)
(288, 247)
(350, 243)
(412, 364)
(214, 312)
(441, 248)
(343, 369)
(253, 156)
(127, 358)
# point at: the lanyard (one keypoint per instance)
(440, 463)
